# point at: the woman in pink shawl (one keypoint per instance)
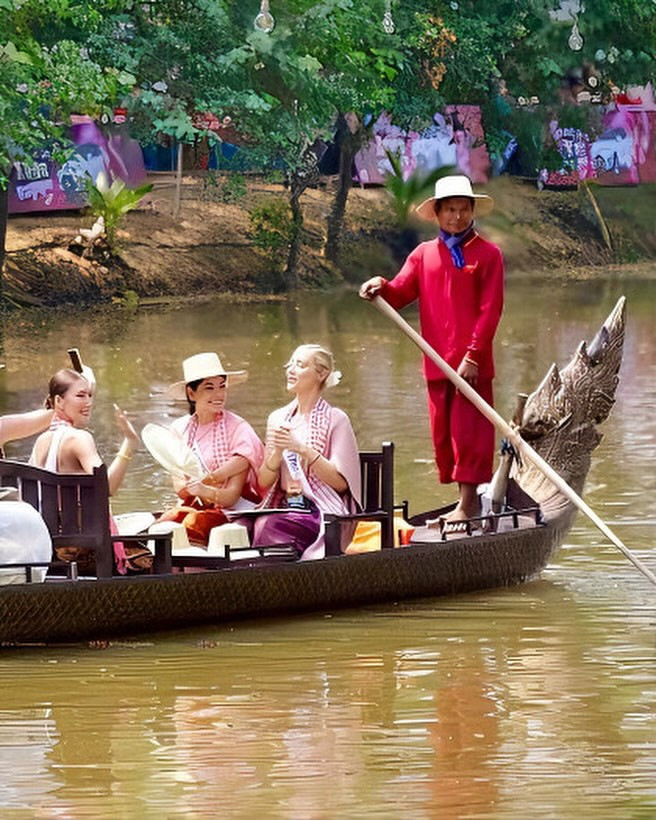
(311, 463)
(227, 447)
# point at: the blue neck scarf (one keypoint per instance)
(453, 241)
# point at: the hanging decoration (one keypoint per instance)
(575, 41)
(389, 27)
(264, 21)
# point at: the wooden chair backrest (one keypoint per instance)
(75, 507)
(377, 471)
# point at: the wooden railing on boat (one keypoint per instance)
(75, 508)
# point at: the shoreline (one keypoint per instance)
(207, 252)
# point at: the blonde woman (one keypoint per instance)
(311, 463)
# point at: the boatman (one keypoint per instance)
(458, 279)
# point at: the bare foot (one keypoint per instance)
(462, 514)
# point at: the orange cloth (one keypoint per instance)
(198, 521)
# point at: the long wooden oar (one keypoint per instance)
(524, 449)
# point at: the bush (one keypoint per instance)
(226, 188)
(272, 229)
(112, 202)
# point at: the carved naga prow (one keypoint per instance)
(561, 416)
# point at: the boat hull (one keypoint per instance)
(85, 610)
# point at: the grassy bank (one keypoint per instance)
(208, 249)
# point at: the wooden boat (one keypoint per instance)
(560, 420)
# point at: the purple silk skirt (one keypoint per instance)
(300, 528)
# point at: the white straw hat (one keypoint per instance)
(203, 366)
(454, 185)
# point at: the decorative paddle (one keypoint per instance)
(521, 447)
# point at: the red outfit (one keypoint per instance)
(459, 310)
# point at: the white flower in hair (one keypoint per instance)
(334, 378)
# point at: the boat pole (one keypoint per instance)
(522, 447)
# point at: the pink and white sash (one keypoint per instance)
(219, 446)
(317, 435)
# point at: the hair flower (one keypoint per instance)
(334, 378)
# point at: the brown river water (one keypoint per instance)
(533, 701)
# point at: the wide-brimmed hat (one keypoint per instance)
(203, 366)
(454, 185)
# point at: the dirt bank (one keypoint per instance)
(207, 249)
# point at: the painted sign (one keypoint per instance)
(455, 137)
(43, 185)
(623, 154)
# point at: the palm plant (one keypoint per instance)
(112, 203)
(406, 192)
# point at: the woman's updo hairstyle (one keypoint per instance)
(60, 384)
(324, 364)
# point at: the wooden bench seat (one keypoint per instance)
(377, 474)
(75, 508)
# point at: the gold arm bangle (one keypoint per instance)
(124, 455)
(471, 361)
(314, 460)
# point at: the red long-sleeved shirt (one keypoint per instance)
(459, 309)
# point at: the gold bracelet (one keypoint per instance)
(124, 455)
(316, 458)
(471, 361)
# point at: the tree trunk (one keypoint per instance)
(348, 147)
(4, 210)
(306, 174)
(291, 270)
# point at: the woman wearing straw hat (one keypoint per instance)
(229, 450)
(458, 279)
(312, 465)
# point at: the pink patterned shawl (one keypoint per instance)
(228, 435)
(329, 432)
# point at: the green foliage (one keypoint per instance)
(47, 73)
(167, 61)
(113, 202)
(228, 188)
(274, 177)
(273, 230)
(406, 192)
(128, 301)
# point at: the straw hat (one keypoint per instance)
(454, 185)
(203, 366)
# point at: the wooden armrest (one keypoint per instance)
(333, 522)
(373, 515)
(162, 562)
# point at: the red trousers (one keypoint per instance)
(463, 438)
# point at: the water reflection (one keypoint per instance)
(457, 707)
(423, 708)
